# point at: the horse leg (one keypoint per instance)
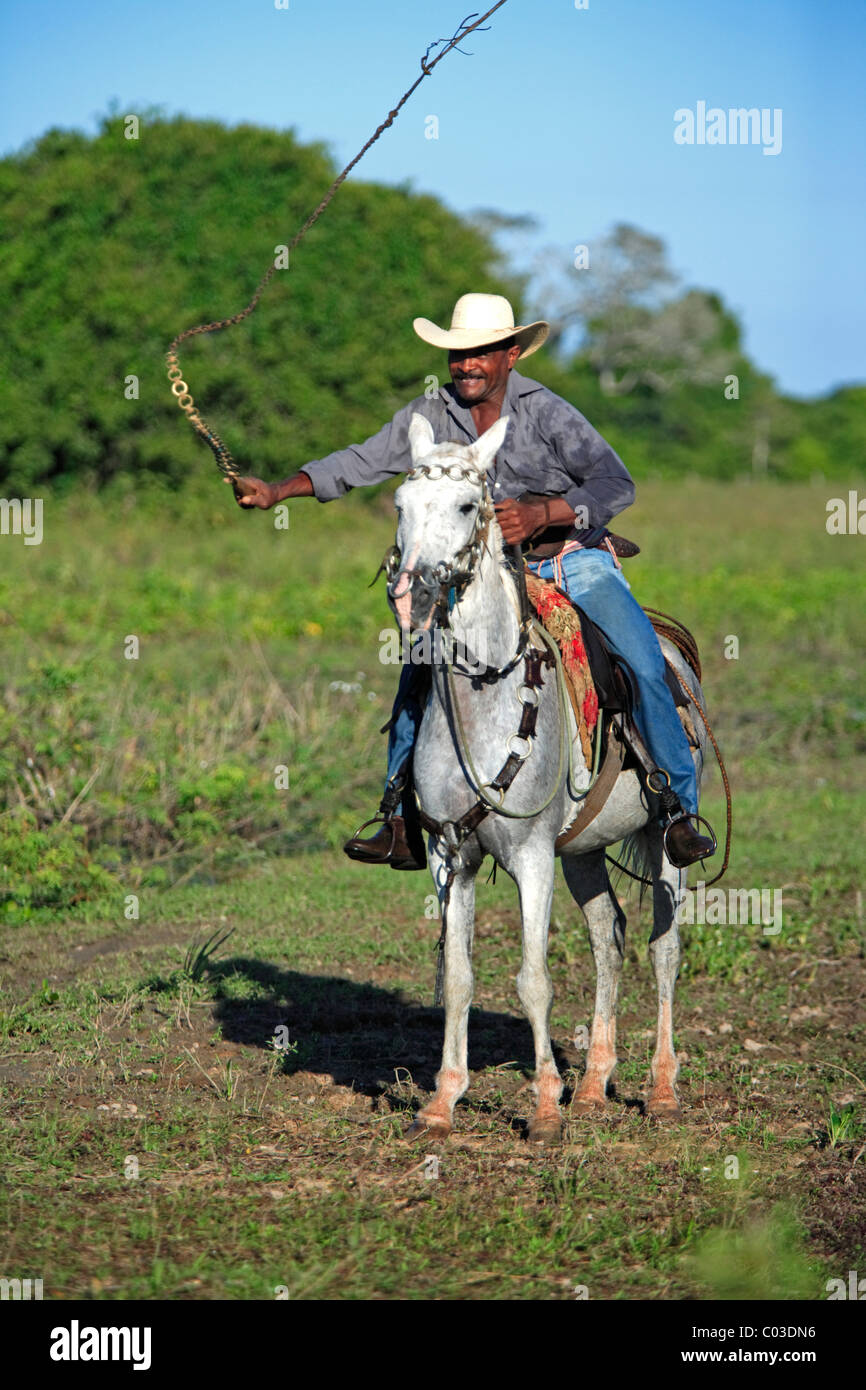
(452, 1079)
(534, 879)
(664, 951)
(589, 885)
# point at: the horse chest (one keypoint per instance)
(440, 765)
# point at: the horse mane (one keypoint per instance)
(506, 572)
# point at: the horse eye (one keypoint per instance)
(466, 508)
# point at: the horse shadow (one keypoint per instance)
(357, 1033)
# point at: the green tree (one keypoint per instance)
(113, 245)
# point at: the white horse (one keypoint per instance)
(448, 539)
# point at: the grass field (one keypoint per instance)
(231, 1126)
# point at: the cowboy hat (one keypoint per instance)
(479, 319)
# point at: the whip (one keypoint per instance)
(179, 388)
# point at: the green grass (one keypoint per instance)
(166, 917)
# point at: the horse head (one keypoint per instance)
(444, 515)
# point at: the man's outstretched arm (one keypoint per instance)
(361, 465)
(255, 492)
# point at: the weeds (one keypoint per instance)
(760, 1259)
(201, 957)
(841, 1128)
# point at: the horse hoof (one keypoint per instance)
(547, 1130)
(589, 1105)
(665, 1108)
(433, 1130)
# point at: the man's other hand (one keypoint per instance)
(519, 520)
(253, 492)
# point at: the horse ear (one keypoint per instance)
(485, 449)
(421, 438)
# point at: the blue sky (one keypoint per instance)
(562, 112)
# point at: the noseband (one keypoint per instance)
(456, 575)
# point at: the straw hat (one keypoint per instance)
(479, 319)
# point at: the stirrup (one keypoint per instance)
(673, 811)
(690, 816)
(374, 820)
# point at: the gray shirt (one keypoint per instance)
(549, 448)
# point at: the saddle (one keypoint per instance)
(596, 677)
(612, 677)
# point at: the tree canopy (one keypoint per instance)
(113, 245)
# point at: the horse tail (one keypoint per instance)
(634, 860)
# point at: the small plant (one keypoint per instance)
(184, 999)
(841, 1126)
(230, 1081)
(200, 956)
(763, 1259)
(45, 871)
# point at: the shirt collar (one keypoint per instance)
(517, 387)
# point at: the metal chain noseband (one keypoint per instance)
(461, 570)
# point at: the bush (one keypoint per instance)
(43, 872)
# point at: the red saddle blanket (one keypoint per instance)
(559, 618)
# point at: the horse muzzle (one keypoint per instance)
(413, 595)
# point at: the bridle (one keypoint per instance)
(452, 578)
(459, 572)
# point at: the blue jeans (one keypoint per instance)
(406, 716)
(595, 583)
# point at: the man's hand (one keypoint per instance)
(520, 520)
(253, 492)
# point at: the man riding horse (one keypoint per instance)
(577, 483)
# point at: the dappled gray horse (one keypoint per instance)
(448, 538)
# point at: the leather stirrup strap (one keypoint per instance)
(614, 758)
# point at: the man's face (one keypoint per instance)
(481, 374)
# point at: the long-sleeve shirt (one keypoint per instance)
(549, 448)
